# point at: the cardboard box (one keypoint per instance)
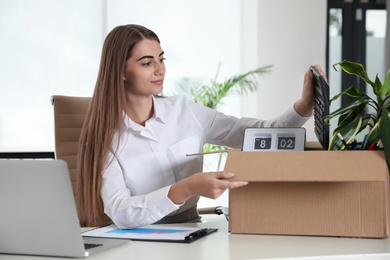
(315, 193)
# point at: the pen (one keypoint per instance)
(371, 147)
(364, 142)
(354, 144)
(343, 141)
(376, 147)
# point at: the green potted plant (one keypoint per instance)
(211, 92)
(355, 117)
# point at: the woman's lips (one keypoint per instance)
(158, 82)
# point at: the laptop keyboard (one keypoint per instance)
(91, 245)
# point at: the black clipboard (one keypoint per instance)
(199, 234)
(153, 233)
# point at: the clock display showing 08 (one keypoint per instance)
(263, 143)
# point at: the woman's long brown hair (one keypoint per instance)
(104, 119)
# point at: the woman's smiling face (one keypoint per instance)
(145, 69)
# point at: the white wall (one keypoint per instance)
(53, 48)
(291, 35)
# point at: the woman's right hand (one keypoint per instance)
(206, 184)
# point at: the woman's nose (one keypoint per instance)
(160, 69)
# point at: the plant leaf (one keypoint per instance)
(386, 101)
(246, 81)
(210, 93)
(356, 69)
(352, 91)
(347, 118)
(385, 89)
(384, 126)
(348, 132)
(348, 108)
(366, 119)
(378, 85)
(188, 86)
(373, 135)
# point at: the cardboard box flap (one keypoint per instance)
(297, 166)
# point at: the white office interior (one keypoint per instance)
(53, 48)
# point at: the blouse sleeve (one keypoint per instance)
(127, 211)
(221, 129)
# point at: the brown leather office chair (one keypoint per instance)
(69, 115)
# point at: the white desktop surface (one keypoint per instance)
(223, 245)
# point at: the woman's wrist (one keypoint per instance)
(179, 192)
(304, 108)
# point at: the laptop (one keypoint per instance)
(38, 214)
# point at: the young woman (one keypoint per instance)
(132, 155)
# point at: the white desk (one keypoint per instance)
(223, 245)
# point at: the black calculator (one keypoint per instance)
(321, 108)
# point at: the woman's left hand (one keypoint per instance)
(304, 106)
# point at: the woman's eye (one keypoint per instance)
(147, 64)
(162, 59)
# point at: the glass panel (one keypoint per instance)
(375, 48)
(335, 56)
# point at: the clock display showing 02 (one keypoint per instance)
(286, 143)
(263, 143)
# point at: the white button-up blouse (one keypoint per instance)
(150, 158)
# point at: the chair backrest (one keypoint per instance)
(69, 116)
